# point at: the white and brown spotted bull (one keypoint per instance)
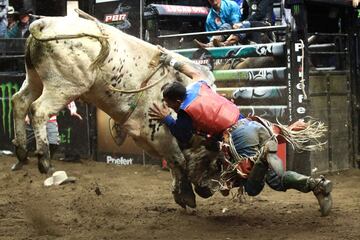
(71, 58)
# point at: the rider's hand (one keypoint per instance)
(158, 112)
(165, 59)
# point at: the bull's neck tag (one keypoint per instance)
(134, 103)
(155, 61)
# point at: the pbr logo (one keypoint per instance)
(109, 18)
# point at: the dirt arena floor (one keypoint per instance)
(134, 202)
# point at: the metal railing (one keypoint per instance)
(227, 32)
(12, 46)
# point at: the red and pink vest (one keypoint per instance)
(210, 112)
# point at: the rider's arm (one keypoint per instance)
(184, 67)
(181, 128)
(190, 71)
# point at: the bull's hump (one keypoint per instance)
(51, 27)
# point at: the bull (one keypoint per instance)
(77, 58)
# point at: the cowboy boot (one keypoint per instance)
(255, 182)
(321, 188)
(217, 43)
(203, 45)
(232, 40)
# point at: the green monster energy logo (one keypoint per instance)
(296, 9)
(7, 91)
(65, 137)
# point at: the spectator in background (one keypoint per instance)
(260, 10)
(259, 14)
(3, 17)
(12, 17)
(240, 3)
(223, 15)
(21, 29)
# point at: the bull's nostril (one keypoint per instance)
(41, 28)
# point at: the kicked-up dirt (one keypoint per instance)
(135, 202)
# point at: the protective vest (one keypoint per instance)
(210, 112)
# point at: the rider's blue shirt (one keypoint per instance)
(182, 128)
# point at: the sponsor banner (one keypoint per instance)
(179, 10)
(102, 1)
(300, 88)
(126, 159)
(111, 18)
(9, 85)
(123, 15)
(119, 160)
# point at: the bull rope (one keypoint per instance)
(141, 89)
(306, 139)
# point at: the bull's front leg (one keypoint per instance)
(182, 189)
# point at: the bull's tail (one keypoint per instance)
(27, 52)
(30, 67)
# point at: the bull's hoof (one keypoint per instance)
(184, 195)
(19, 164)
(21, 154)
(202, 45)
(185, 200)
(203, 192)
(44, 166)
(178, 199)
